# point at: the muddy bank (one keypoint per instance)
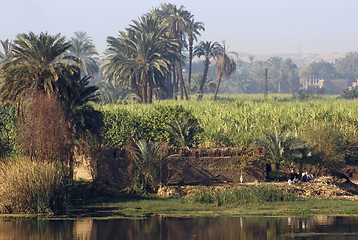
(320, 188)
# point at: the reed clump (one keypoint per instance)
(34, 186)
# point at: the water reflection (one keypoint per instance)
(157, 227)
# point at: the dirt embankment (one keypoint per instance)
(321, 188)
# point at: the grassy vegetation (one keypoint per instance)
(33, 186)
(187, 208)
(255, 194)
(239, 120)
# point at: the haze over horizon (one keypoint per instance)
(255, 26)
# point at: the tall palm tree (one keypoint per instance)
(209, 51)
(192, 31)
(145, 51)
(113, 67)
(83, 53)
(36, 64)
(177, 20)
(225, 65)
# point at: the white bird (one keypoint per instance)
(241, 178)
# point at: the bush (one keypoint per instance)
(34, 186)
(45, 132)
(8, 130)
(122, 126)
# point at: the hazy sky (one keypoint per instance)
(252, 26)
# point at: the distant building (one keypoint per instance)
(331, 86)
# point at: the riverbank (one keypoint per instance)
(183, 208)
(322, 196)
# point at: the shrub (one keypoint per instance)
(45, 131)
(8, 128)
(122, 126)
(34, 186)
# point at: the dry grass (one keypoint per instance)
(33, 186)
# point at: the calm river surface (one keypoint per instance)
(156, 227)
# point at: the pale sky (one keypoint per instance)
(251, 26)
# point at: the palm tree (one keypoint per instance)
(6, 53)
(113, 67)
(145, 53)
(84, 120)
(225, 65)
(36, 64)
(177, 20)
(208, 50)
(147, 157)
(83, 53)
(192, 31)
(183, 133)
(279, 146)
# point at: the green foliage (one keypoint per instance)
(34, 186)
(147, 158)
(8, 129)
(350, 93)
(278, 147)
(121, 125)
(331, 144)
(254, 194)
(233, 121)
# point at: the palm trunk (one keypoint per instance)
(135, 89)
(174, 84)
(217, 89)
(203, 80)
(149, 92)
(144, 89)
(182, 88)
(190, 59)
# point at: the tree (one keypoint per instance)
(347, 66)
(36, 64)
(192, 31)
(45, 133)
(6, 53)
(177, 20)
(277, 146)
(114, 68)
(225, 65)
(144, 52)
(209, 51)
(84, 121)
(147, 158)
(83, 53)
(318, 70)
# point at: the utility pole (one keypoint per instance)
(265, 94)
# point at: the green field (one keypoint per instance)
(239, 120)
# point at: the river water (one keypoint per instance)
(157, 227)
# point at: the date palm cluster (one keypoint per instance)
(147, 56)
